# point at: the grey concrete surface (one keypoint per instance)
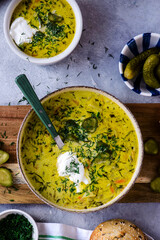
(146, 216)
(107, 24)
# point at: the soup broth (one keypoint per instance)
(101, 136)
(54, 22)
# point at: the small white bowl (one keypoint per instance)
(43, 61)
(134, 47)
(30, 219)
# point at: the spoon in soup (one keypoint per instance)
(68, 164)
(26, 88)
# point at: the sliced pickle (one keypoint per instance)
(151, 147)
(54, 17)
(71, 123)
(155, 185)
(90, 124)
(6, 179)
(4, 156)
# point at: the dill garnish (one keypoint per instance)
(15, 227)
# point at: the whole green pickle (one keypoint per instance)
(149, 71)
(135, 65)
(157, 72)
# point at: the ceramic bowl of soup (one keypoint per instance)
(43, 32)
(100, 160)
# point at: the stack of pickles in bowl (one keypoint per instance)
(139, 64)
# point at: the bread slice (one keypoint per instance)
(117, 229)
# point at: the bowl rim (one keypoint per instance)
(121, 65)
(5, 213)
(139, 157)
(43, 61)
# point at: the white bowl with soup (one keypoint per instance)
(100, 160)
(43, 32)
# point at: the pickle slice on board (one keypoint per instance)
(4, 156)
(151, 146)
(6, 179)
(135, 65)
(149, 71)
(155, 184)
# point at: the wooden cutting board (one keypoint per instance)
(148, 117)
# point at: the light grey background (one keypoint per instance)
(107, 24)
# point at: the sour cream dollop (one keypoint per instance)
(69, 165)
(21, 31)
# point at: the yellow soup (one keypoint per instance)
(101, 135)
(53, 23)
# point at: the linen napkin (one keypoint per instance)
(57, 231)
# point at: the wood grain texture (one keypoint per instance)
(148, 117)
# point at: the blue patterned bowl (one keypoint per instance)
(135, 46)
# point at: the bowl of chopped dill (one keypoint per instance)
(43, 32)
(16, 224)
(101, 157)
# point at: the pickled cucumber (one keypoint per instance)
(90, 124)
(5, 177)
(135, 65)
(149, 71)
(151, 147)
(155, 184)
(3, 157)
(157, 72)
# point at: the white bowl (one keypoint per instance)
(43, 61)
(139, 157)
(30, 219)
(135, 46)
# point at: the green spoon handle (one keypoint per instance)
(32, 98)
